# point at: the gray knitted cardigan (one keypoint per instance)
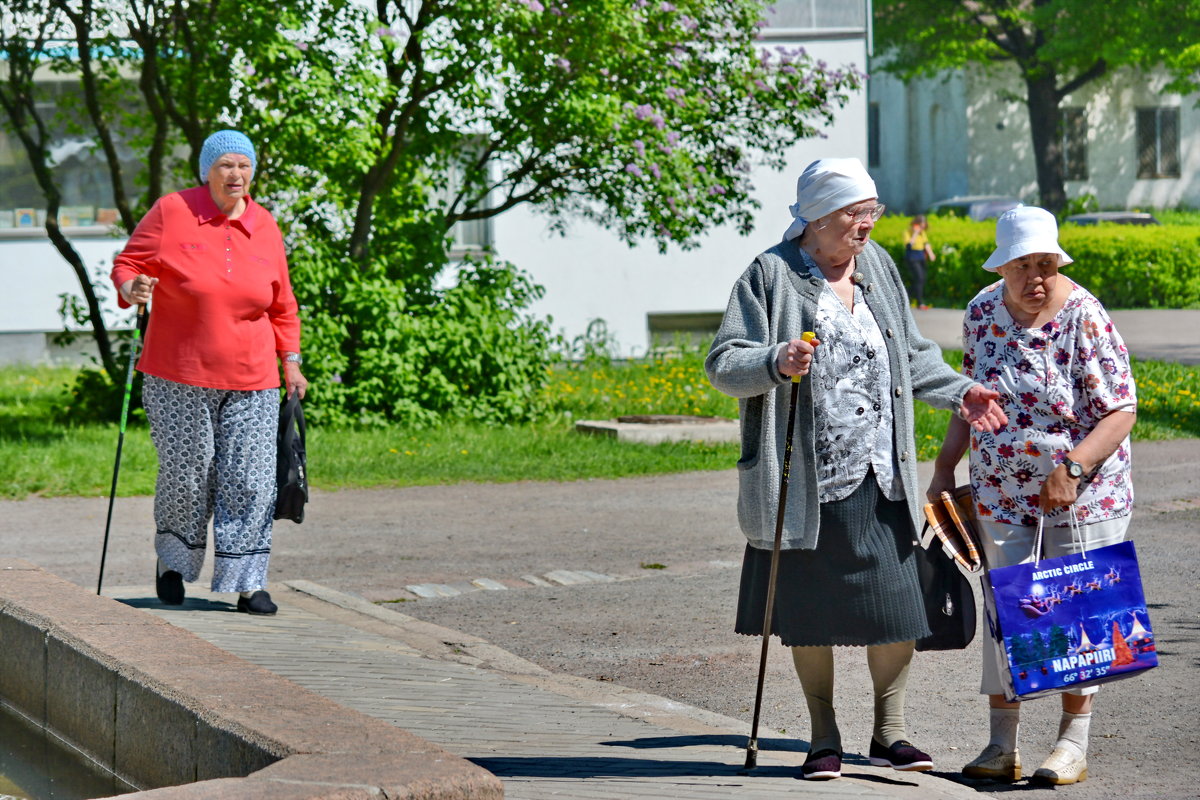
(774, 301)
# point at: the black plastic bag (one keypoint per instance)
(291, 466)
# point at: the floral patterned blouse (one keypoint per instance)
(852, 406)
(1056, 383)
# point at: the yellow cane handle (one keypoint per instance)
(807, 336)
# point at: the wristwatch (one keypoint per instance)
(1074, 468)
(294, 358)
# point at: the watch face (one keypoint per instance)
(1074, 470)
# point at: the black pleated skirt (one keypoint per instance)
(858, 587)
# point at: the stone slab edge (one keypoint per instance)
(657, 434)
(437, 642)
(234, 730)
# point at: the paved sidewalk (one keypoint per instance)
(544, 735)
(1163, 334)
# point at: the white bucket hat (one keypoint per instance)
(826, 185)
(1024, 230)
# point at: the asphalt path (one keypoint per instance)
(664, 625)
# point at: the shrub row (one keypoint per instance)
(1125, 266)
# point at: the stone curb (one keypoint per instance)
(163, 709)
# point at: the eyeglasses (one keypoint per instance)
(871, 212)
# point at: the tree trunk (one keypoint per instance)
(1042, 102)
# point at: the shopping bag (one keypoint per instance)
(950, 521)
(1070, 621)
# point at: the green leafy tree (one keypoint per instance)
(382, 126)
(1056, 46)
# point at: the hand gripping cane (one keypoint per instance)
(112, 492)
(752, 744)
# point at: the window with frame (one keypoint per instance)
(816, 15)
(1073, 141)
(78, 166)
(1158, 142)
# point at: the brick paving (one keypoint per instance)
(545, 736)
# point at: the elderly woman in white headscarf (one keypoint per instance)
(847, 573)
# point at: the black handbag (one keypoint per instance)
(949, 600)
(291, 466)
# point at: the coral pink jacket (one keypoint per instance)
(223, 308)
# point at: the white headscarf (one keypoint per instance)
(826, 185)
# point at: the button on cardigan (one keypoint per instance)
(223, 307)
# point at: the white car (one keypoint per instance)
(976, 207)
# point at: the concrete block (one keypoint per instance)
(701, 429)
(489, 584)
(23, 666)
(222, 753)
(81, 697)
(397, 774)
(566, 577)
(155, 737)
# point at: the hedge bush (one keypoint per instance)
(1125, 266)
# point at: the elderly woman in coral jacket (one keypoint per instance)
(212, 261)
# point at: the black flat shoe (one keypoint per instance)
(169, 587)
(258, 603)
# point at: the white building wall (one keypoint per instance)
(964, 133)
(590, 274)
(923, 140)
(35, 277)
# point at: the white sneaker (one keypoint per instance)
(1061, 768)
(996, 764)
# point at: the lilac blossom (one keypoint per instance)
(562, 63)
(640, 146)
(634, 170)
(655, 171)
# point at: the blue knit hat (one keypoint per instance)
(223, 142)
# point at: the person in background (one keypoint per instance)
(918, 255)
(1049, 348)
(224, 317)
(847, 573)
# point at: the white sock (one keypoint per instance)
(1073, 733)
(1005, 723)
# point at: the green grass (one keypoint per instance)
(41, 455)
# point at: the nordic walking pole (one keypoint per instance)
(752, 744)
(112, 492)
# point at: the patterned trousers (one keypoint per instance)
(216, 461)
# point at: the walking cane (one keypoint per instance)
(112, 492)
(752, 744)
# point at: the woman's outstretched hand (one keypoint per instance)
(980, 409)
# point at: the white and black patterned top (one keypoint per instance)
(852, 404)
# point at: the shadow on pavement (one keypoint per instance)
(189, 604)
(764, 745)
(586, 767)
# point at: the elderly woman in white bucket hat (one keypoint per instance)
(1049, 348)
(847, 573)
